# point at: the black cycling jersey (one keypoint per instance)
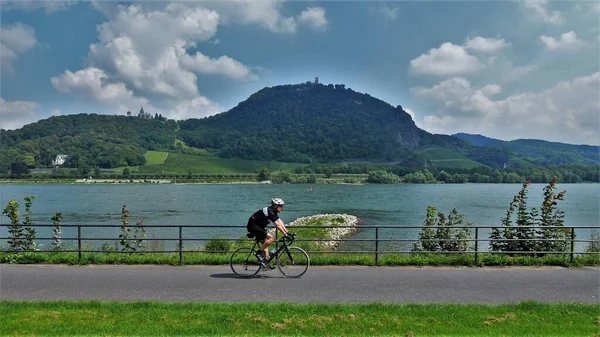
(261, 217)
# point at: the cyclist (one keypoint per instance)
(259, 221)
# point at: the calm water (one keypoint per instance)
(394, 205)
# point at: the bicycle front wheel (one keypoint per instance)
(293, 262)
(244, 263)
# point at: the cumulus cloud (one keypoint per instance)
(198, 107)
(313, 17)
(94, 83)
(15, 114)
(143, 53)
(539, 9)
(15, 40)
(50, 6)
(448, 59)
(566, 112)
(451, 59)
(222, 65)
(568, 40)
(486, 45)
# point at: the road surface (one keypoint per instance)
(321, 284)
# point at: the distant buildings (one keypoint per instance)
(141, 114)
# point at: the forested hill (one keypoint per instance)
(540, 152)
(89, 139)
(309, 122)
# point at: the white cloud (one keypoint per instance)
(222, 65)
(491, 89)
(94, 83)
(390, 13)
(198, 107)
(50, 6)
(568, 40)
(486, 45)
(596, 7)
(15, 40)
(566, 112)
(147, 49)
(539, 9)
(15, 114)
(264, 13)
(313, 17)
(448, 59)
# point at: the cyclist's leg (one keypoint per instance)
(265, 247)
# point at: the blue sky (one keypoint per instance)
(505, 69)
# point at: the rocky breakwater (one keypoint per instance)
(342, 226)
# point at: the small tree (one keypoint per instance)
(554, 217)
(548, 216)
(30, 232)
(445, 237)
(57, 243)
(15, 229)
(139, 234)
(263, 174)
(125, 230)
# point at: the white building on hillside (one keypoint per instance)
(60, 159)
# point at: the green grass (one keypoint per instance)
(155, 157)
(316, 258)
(183, 163)
(95, 318)
(445, 158)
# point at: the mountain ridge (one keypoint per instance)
(302, 123)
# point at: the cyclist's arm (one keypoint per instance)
(279, 224)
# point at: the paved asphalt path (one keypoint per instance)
(319, 284)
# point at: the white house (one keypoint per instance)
(60, 159)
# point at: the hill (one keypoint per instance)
(297, 124)
(90, 140)
(310, 122)
(540, 152)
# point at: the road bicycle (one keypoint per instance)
(291, 261)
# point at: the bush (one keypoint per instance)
(218, 244)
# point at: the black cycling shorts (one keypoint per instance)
(259, 233)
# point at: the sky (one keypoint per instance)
(504, 69)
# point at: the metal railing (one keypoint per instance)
(570, 240)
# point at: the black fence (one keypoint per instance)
(380, 244)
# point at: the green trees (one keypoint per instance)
(439, 233)
(522, 236)
(22, 236)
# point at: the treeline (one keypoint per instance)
(88, 140)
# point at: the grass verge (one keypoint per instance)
(316, 258)
(95, 318)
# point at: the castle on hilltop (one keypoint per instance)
(141, 114)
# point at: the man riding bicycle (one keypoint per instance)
(259, 221)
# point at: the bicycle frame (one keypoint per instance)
(278, 251)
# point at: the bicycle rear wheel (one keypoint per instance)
(293, 262)
(243, 262)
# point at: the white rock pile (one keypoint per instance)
(334, 233)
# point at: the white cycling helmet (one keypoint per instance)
(277, 202)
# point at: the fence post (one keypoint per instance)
(180, 247)
(79, 244)
(572, 244)
(476, 244)
(376, 246)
